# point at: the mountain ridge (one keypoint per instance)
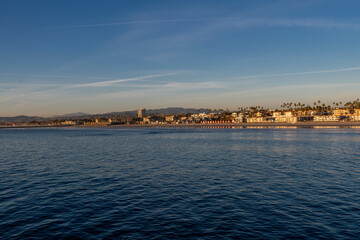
(81, 115)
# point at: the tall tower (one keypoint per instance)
(141, 112)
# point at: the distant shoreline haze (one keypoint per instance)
(180, 110)
(287, 113)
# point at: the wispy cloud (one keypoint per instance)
(22, 90)
(162, 84)
(299, 86)
(151, 85)
(178, 86)
(300, 73)
(236, 22)
(281, 92)
(161, 89)
(51, 76)
(296, 22)
(80, 85)
(137, 22)
(112, 82)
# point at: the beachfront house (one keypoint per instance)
(355, 116)
(257, 120)
(326, 118)
(341, 112)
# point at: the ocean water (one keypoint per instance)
(115, 183)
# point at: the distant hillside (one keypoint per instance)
(170, 110)
(20, 118)
(175, 110)
(72, 115)
(81, 115)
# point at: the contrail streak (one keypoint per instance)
(141, 22)
(49, 75)
(236, 21)
(108, 83)
(300, 73)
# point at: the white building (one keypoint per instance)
(355, 118)
(326, 118)
(141, 113)
(257, 120)
(68, 123)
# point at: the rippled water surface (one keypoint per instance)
(179, 183)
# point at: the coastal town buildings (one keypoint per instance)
(171, 118)
(326, 118)
(285, 117)
(341, 112)
(257, 119)
(68, 123)
(249, 116)
(252, 115)
(240, 118)
(141, 113)
(355, 116)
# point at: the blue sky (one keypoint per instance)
(101, 56)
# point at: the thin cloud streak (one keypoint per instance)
(237, 22)
(141, 22)
(145, 93)
(178, 86)
(92, 84)
(300, 73)
(167, 83)
(249, 92)
(306, 22)
(49, 75)
(76, 86)
(166, 86)
(108, 83)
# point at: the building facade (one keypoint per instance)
(141, 113)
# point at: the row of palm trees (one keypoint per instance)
(316, 106)
(319, 106)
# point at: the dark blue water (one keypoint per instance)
(179, 183)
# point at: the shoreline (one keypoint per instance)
(209, 125)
